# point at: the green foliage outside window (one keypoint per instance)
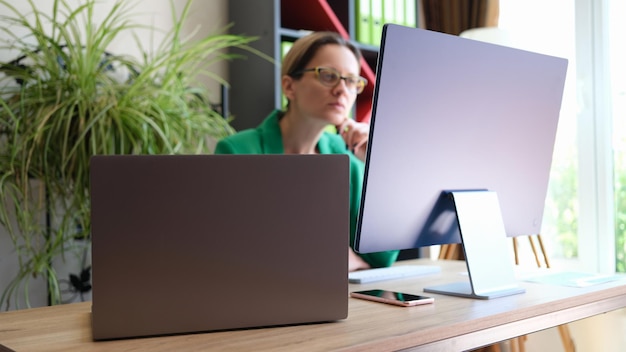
(561, 212)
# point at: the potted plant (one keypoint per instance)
(66, 98)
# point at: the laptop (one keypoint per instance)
(194, 243)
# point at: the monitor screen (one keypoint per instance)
(451, 113)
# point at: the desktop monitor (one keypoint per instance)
(455, 114)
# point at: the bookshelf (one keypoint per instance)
(255, 82)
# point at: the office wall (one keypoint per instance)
(206, 17)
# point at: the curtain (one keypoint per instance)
(456, 16)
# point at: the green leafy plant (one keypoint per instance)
(66, 98)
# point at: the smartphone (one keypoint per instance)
(391, 297)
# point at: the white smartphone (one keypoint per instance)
(391, 297)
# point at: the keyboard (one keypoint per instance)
(390, 273)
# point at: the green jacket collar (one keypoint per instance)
(272, 140)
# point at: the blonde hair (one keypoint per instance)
(305, 48)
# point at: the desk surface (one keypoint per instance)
(451, 323)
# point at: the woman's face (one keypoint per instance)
(312, 99)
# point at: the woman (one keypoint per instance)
(320, 81)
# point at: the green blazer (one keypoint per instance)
(267, 139)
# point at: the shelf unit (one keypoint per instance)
(255, 82)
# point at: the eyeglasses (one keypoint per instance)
(331, 78)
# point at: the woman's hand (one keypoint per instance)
(356, 135)
(355, 262)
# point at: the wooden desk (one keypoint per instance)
(450, 324)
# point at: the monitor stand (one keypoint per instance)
(488, 258)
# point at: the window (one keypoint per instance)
(549, 28)
(585, 217)
(617, 57)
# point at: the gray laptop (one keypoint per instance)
(214, 242)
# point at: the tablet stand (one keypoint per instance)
(489, 265)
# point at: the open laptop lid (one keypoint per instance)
(198, 243)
